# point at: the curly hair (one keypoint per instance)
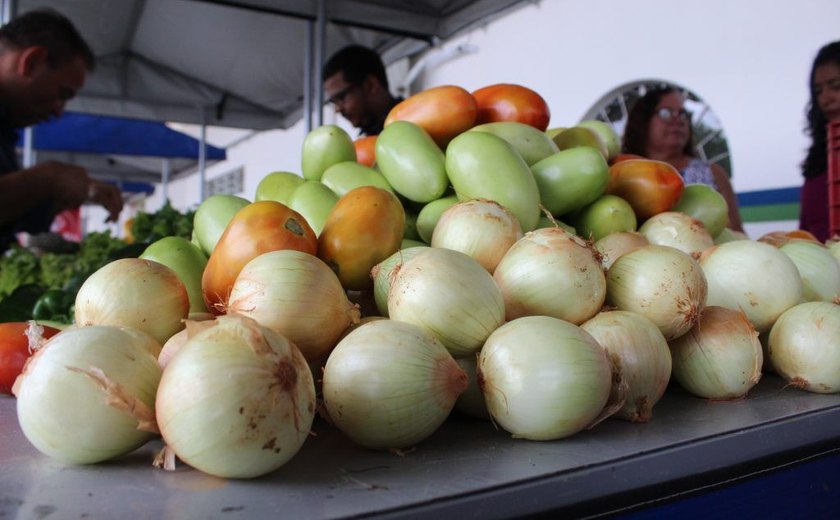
(816, 162)
(638, 121)
(50, 29)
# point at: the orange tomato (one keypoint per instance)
(624, 157)
(366, 150)
(257, 228)
(511, 102)
(443, 112)
(364, 228)
(649, 186)
(14, 351)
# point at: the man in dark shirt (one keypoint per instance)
(43, 64)
(356, 84)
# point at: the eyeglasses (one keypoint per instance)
(338, 98)
(667, 114)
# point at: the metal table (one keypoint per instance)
(466, 469)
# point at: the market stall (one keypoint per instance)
(467, 469)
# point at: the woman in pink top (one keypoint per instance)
(824, 107)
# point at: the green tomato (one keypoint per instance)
(345, 176)
(607, 134)
(428, 217)
(606, 215)
(323, 147)
(571, 179)
(314, 201)
(484, 166)
(532, 145)
(278, 186)
(188, 262)
(411, 162)
(705, 204)
(212, 217)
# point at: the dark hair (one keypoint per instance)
(638, 121)
(50, 29)
(355, 63)
(816, 162)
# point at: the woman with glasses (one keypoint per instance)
(659, 128)
(823, 108)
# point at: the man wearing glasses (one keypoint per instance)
(356, 85)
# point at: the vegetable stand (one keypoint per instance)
(466, 469)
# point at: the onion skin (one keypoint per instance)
(662, 284)
(237, 401)
(390, 384)
(804, 347)
(639, 353)
(381, 274)
(818, 268)
(612, 246)
(720, 358)
(678, 230)
(543, 378)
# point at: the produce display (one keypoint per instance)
(469, 259)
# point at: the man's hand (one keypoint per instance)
(108, 196)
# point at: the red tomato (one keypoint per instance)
(443, 112)
(649, 186)
(14, 351)
(624, 157)
(366, 150)
(510, 102)
(257, 228)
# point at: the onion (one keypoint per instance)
(237, 401)
(450, 295)
(612, 246)
(543, 378)
(173, 345)
(297, 295)
(804, 346)
(471, 402)
(639, 352)
(390, 384)
(550, 272)
(819, 270)
(662, 284)
(480, 228)
(136, 293)
(729, 235)
(753, 277)
(720, 357)
(381, 274)
(678, 230)
(88, 394)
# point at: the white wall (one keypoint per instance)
(748, 60)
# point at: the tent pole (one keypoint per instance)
(202, 155)
(9, 11)
(320, 43)
(28, 156)
(164, 185)
(308, 52)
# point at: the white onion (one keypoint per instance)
(543, 378)
(550, 272)
(173, 345)
(678, 230)
(237, 401)
(753, 277)
(480, 228)
(728, 235)
(390, 384)
(720, 358)
(804, 346)
(818, 268)
(88, 394)
(662, 284)
(297, 295)
(471, 402)
(450, 295)
(639, 353)
(381, 274)
(136, 293)
(612, 246)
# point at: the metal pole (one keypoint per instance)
(28, 156)
(320, 43)
(308, 52)
(9, 11)
(202, 155)
(165, 173)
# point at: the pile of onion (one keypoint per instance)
(804, 346)
(639, 353)
(720, 357)
(678, 230)
(544, 378)
(237, 400)
(390, 384)
(480, 228)
(550, 272)
(449, 294)
(297, 295)
(88, 394)
(662, 284)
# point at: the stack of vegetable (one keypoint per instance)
(470, 299)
